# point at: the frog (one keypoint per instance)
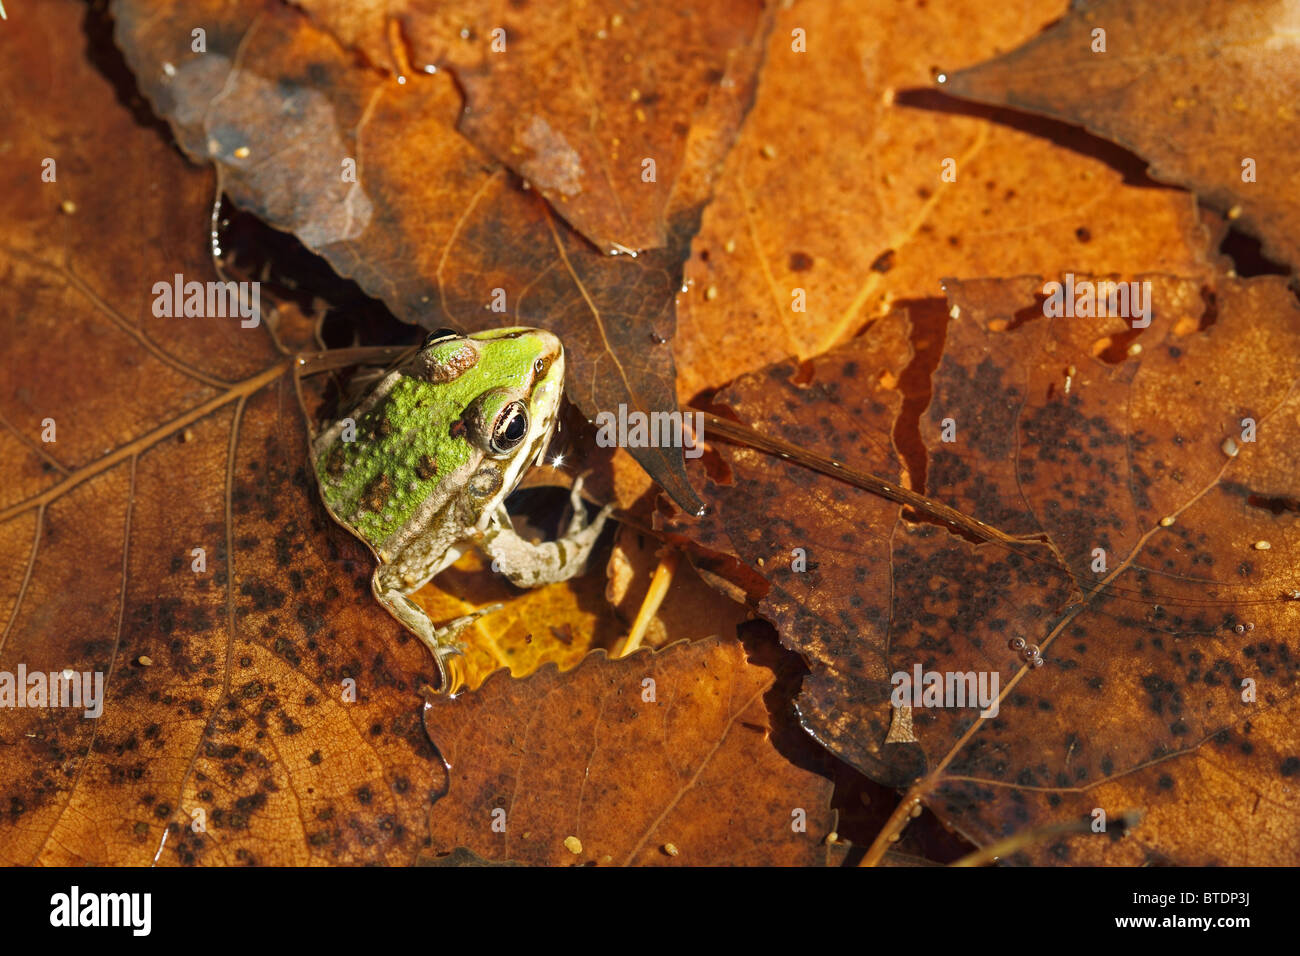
(421, 467)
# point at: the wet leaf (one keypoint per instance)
(1205, 91)
(657, 758)
(574, 97)
(372, 174)
(224, 736)
(691, 609)
(1139, 703)
(461, 857)
(559, 623)
(844, 197)
(172, 539)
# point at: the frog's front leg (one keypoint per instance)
(529, 565)
(392, 593)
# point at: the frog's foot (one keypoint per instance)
(439, 639)
(529, 565)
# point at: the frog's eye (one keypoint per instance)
(509, 429)
(437, 336)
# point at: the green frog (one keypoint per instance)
(421, 468)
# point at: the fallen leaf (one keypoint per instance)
(1126, 495)
(625, 757)
(371, 174)
(576, 97)
(837, 187)
(1140, 698)
(172, 520)
(1205, 91)
(558, 623)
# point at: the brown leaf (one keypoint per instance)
(835, 187)
(430, 226)
(1139, 703)
(583, 767)
(574, 97)
(222, 682)
(1196, 88)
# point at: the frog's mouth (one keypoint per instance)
(547, 395)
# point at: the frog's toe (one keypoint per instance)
(579, 520)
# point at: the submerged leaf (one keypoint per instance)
(1162, 583)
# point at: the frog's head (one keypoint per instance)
(504, 388)
(441, 443)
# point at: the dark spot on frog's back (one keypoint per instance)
(336, 461)
(800, 262)
(426, 467)
(377, 493)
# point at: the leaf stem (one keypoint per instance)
(907, 808)
(654, 597)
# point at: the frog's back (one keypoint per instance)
(402, 461)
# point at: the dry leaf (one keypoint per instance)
(627, 757)
(576, 97)
(1204, 90)
(836, 187)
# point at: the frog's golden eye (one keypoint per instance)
(509, 429)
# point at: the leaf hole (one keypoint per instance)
(928, 323)
(1114, 349)
(1279, 504)
(804, 374)
(1248, 257)
(1210, 315)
